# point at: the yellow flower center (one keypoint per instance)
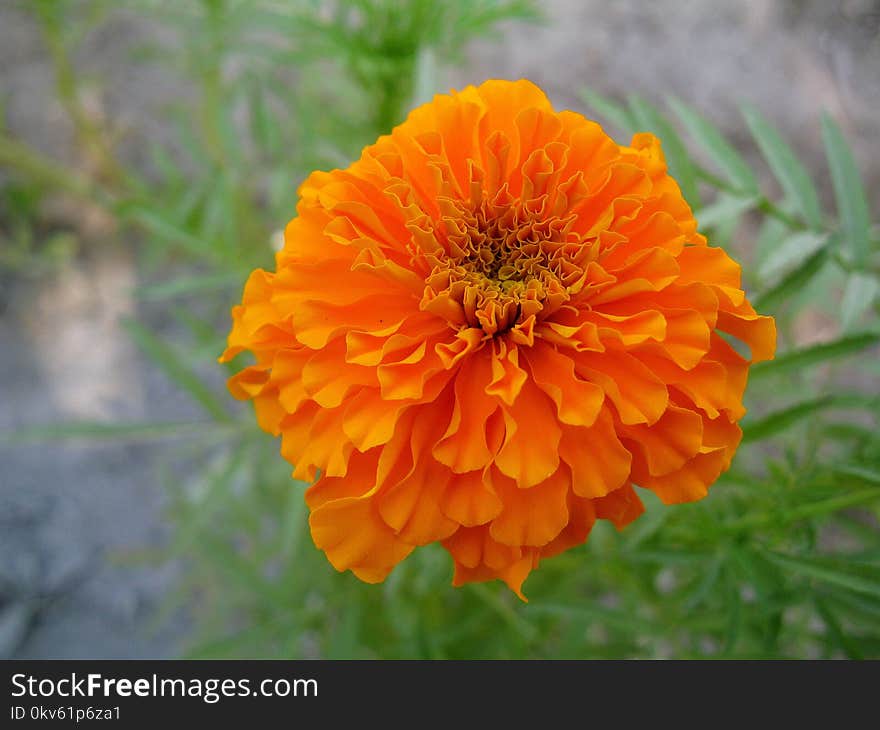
(506, 263)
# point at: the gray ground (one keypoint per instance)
(71, 516)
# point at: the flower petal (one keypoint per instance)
(529, 454)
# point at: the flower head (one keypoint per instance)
(486, 331)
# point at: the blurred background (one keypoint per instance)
(150, 154)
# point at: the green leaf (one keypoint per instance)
(612, 111)
(833, 572)
(167, 230)
(852, 204)
(792, 251)
(707, 582)
(719, 149)
(734, 617)
(188, 285)
(859, 472)
(789, 171)
(772, 231)
(783, 419)
(681, 167)
(426, 76)
(792, 283)
(795, 360)
(264, 126)
(508, 614)
(177, 370)
(860, 293)
(725, 208)
(593, 612)
(650, 523)
(835, 631)
(806, 511)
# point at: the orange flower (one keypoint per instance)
(486, 330)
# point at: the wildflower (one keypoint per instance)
(486, 331)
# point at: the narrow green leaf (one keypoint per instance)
(853, 603)
(612, 111)
(426, 76)
(771, 232)
(681, 167)
(850, 432)
(780, 420)
(725, 208)
(719, 149)
(650, 523)
(202, 506)
(791, 252)
(792, 283)
(808, 511)
(788, 169)
(835, 631)
(852, 204)
(188, 285)
(591, 612)
(795, 360)
(859, 472)
(860, 293)
(734, 617)
(295, 519)
(264, 125)
(505, 611)
(207, 341)
(707, 582)
(168, 230)
(169, 172)
(180, 372)
(832, 572)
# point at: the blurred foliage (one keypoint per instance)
(783, 558)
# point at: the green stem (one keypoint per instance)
(807, 511)
(772, 210)
(44, 171)
(504, 611)
(764, 204)
(89, 134)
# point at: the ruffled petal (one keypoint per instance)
(355, 537)
(529, 454)
(531, 516)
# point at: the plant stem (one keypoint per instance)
(764, 204)
(89, 134)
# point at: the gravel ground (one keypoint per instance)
(72, 515)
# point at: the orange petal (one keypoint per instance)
(412, 507)
(355, 537)
(581, 518)
(470, 499)
(638, 395)
(758, 332)
(621, 507)
(530, 453)
(507, 376)
(464, 446)
(534, 515)
(667, 444)
(598, 461)
(578, 402)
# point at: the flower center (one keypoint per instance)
(505, 264)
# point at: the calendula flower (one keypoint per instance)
(486, 331)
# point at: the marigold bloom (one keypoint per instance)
(486, 331)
